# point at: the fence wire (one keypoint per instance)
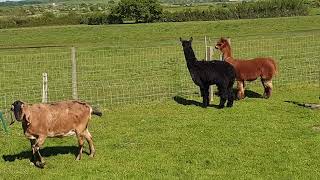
(136, 75)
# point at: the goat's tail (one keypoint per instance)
(96, 112)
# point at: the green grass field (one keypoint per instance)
(256, 139)
(172, 137)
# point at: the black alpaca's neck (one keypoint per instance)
(189, 55)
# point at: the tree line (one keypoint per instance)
(148, 11)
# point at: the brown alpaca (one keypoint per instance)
(249, 70)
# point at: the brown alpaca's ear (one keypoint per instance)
(191, 39)
(228, 40)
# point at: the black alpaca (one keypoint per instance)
(206, 73)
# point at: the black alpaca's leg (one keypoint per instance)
(222, 102)
(230, 98)
(206, 95)
(204, 99)
(230, 94)
(223, 97)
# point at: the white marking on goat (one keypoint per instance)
(70, 133)
(29, 136)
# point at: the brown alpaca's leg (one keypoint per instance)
(267, 84)
(269, 88)
(240, 93)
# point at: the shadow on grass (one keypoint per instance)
(252, 94)
(45, 152)
(187, 102)
(305, 105)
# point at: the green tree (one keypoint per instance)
(138, 10)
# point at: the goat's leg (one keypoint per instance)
(33, 142)
(80, 142)
(88, 137)
(36, 150)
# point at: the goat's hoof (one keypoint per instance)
(220, 106)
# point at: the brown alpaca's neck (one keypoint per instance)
(227, 54)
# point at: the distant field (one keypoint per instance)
(138, 62)
(157, 34)
(153, 126)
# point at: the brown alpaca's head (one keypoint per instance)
(223, 43)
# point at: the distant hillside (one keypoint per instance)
(105, 1)
(53, 1)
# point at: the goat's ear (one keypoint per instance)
(191, 39)
(25, 114)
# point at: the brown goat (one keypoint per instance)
(60, 119)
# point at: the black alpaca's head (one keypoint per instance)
(186, 43)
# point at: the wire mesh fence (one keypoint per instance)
(136, 75)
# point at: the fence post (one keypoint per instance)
(209, 53)
(74, 73)
(44, 87)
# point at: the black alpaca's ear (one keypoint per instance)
(180, 39)
(191, 39)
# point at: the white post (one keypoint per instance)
(44, 87)
(74, 73)
(206, 45)
(221, 56)
(209, 52)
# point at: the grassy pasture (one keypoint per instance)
(156, 34)
(172, 137)
(257, 139)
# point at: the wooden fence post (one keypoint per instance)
(209, 53)
(74, 73)
(44, 87)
